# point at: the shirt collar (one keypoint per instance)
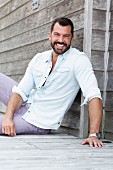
(63, 56)
(49, 57)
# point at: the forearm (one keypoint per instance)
(95, 114)
(13, 104)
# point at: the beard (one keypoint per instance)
(60, 51)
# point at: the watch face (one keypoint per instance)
(98, 135)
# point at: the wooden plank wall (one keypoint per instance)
(109, 97)
(94, 42)
(24, 32)
(98, 39)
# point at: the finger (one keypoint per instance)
(3, 130)
(13, 133)
(100, 144)
(8, 130)
(84, 142)
(90, 143)
(95, 144)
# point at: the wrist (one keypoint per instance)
(8, 116)
(97, 135)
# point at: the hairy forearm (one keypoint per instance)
(95, 113)
(13, 104)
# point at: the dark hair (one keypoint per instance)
(63, 22)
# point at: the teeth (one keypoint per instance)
(61, 45)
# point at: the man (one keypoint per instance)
(49, 86)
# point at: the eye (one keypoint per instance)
(56, 34)
(67, 36)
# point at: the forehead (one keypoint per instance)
(62, 29)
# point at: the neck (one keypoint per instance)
(54, 55)
(54, 59)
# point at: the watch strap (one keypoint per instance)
(95, 134)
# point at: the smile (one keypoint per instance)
(61, 44)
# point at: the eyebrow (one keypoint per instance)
(59, 34)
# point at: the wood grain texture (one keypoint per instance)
(111, 5)
(110, 81)
(100, 4)
(109, 122)
(100, 78)
(110, 61)
(11, 6)
(54, 151)
(97, 60)
(109, 101)
(98, 40)
(99, 19)
(111, 41)
(111, 21)
(2, 2)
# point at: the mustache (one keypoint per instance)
(61, 43)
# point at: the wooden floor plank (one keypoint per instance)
(52, 152)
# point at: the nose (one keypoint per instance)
(61, 38)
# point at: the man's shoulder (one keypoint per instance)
(77, 54)
(40, 56)
(43, 54)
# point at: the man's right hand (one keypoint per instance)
(8, 127)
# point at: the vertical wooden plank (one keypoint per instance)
(106, 58)
(87, 49)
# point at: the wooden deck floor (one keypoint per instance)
(52, 152)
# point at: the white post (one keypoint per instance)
(88, 9)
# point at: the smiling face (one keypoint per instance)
(60, 38)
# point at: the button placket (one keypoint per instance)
(46, 74)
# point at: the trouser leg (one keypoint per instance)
(22, 127)
(6, 84)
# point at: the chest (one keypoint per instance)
(52, 74)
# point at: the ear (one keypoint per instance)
(73, 38)
(49, 36)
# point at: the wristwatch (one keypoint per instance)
(95, 134)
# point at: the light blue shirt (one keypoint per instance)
(51, 95)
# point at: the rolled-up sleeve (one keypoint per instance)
(17, 90)
(26, 84)
(86, 79)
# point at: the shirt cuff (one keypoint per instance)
(87, 99)
(17, 90)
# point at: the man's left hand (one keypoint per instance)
(93, 142)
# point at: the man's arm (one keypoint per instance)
(8, 126)
(95, 114)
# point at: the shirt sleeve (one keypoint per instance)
(26, 84)
(85, 76)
